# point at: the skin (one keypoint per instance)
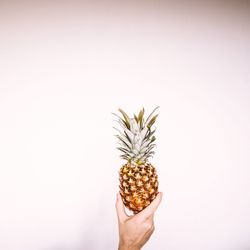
(135, 231)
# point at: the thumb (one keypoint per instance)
(121, 214)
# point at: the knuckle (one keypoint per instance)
(147, 225)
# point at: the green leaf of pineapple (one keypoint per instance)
(152, 121)
(126, 118)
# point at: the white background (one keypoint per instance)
(66, 66)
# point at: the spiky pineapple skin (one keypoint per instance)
(138, 185)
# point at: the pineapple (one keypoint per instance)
(138, 177)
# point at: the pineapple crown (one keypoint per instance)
(136, 136)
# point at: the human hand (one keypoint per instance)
(135, 231)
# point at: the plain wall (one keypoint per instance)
(65, 66)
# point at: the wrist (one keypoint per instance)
(125, 247)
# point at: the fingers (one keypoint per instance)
(149, 210)
(121, 214)
(149, 233)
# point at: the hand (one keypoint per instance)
(135, 231)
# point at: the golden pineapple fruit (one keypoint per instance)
(138, 178)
